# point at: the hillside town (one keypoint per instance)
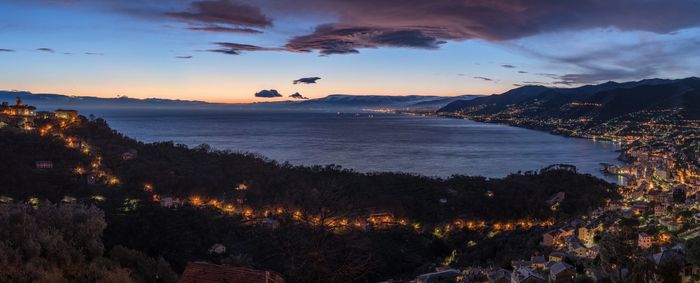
(651, 224)
(658, 214)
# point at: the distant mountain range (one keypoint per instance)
(412, 102)
(335, 102)
(598, 102)
(46, 101)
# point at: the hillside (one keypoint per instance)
(598, 102)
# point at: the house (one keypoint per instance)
(439, 276)
(45, 115)
(556, 199)
(638, 208)
(556, 236)
(548, 238)
(499, 276)
(562, 272)
(217, 249)
(199, 272)
(644, 241)
(44, 164)
(70, 115)
(526, 275)
(557, 256)
(578, 249)
(588, 232)
(660, 210)
(170, 202)
(129, 154)
(537, 262)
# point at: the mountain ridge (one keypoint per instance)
(603, 101)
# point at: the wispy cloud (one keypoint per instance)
(45, 49)
(231, 48)
(218, 28)
(483, 78)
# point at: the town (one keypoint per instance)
(653, 223)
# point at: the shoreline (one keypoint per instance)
(622, 157)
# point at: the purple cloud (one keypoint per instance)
(297, 95)
(268, 93)
(335, 39)
(309, 80)
(223, 12)
(231, 48)
(218, 28)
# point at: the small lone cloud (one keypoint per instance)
(508, 66)
(6, 50)
(310, 80)
(522, 72)
(484, 79)
(183, 57)
(268, 93)
(44, 49)
(225, 29)
(231, 48)
(297, 95)
(94, 54)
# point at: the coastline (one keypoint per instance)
(622, 156)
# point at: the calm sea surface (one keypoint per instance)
(367, 142)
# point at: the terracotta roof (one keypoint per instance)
(202, 272)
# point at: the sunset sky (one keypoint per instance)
(228, 50)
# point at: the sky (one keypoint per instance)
(269, 50)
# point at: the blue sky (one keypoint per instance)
(109, 48)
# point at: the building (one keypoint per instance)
(202, 272)
(660, 210)
(526, 275)
(44, 164)
(556, 256)
(70, 115)
(170, 202)
(562, 272)
(587, 233)
(439, 276)
(129, 154)
(217, 249)
(644, 241)
(17, 110)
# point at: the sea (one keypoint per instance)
(367, 142)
